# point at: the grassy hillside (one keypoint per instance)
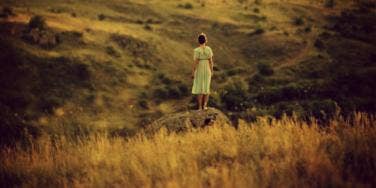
(120, 64)
(277, 153)
(77, 78)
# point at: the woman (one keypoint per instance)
(202, 72)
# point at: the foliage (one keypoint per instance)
(329, 3)
(6, 12)
(112, 51)
(148, 27)
(298, 21)
(186, 6)
(175, 90)
(258, 2)
(234, 96)
(265, 69)
(143, 104)
(37, 22)
(101, 17)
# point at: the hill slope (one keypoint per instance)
(122, 64)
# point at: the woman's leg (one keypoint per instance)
(199, 101)
(205, 102)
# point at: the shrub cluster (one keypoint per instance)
(265, 69)
(186, 6)
(7, 12)
(37, 22)
(234, 96)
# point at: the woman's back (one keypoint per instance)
(203, 53)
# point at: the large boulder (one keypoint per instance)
(181, 121)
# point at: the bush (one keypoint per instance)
(74, 37)
(319, 44)
(6, 12)
(37, 22)
(186, 6)
(298, 21)
(143, 104)
(259, 31)
(214, 100)
(265, 69)
(172, 91)
(164, 79)
(258, 2)
(321, 109)
(148, 27)
(256, 10)
(329, 3)
(101, 17)
(308, 29)
(234, 96)
(234, 71)
(112, 52)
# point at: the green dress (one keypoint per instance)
(201, 82)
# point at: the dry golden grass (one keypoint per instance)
(277, 153)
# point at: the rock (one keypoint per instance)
(34, 35)
(46, 39)
(181, 121)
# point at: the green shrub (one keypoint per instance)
(148, 27)
(164, 79)
(214, 100)
(329, 3)
(298, 21)
(71, 37)
(234, 71)
(112, 52)
(256, 80)
(37, 22)
(6, 12)
(234, 96)
(183, 89)
(322, 109)
(284, 108)
(175, 90)
(258, 2)
(259, 31)
(265, 69)
(143, 104)
(319, 44)
(186, 6)
(308, 29)
(101, 17)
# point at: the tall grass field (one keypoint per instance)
(266, 153)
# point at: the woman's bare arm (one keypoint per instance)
(195, 62)
(211, 63)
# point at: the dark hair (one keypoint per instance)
(202, 38)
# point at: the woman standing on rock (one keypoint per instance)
(202, 72)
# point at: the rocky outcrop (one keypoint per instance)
(181, 121)
(43, 38)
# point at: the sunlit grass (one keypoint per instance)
(283, 153)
